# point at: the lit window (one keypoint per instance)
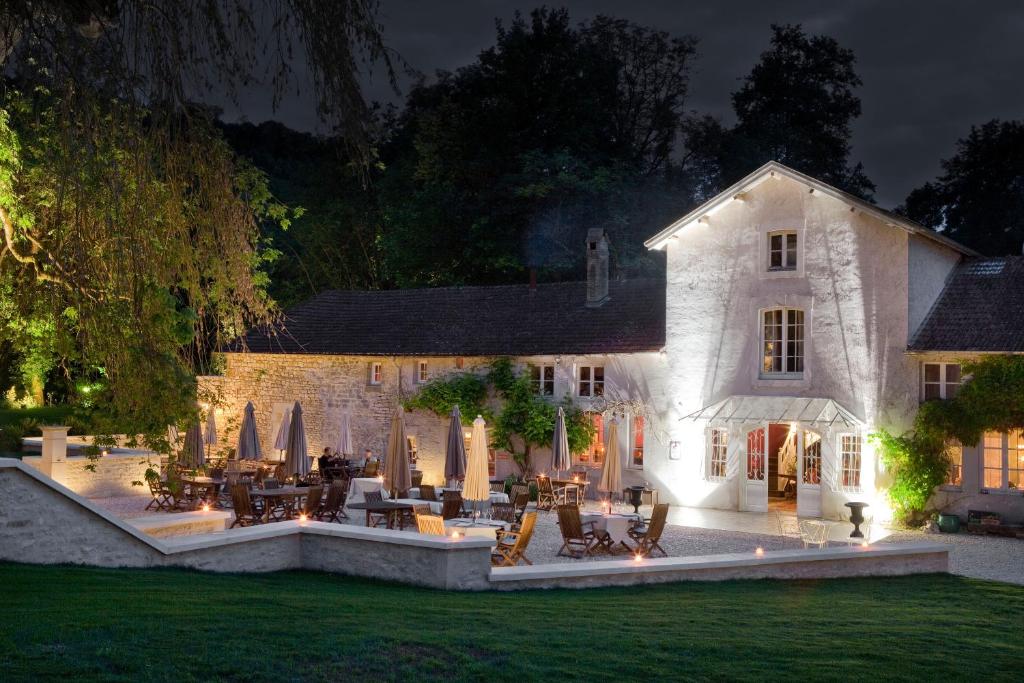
(955, 471)
(812, 459)
(376, 373)
(410, 441)
(1003, 460)
(782, 342)
(543, 379)
(849, 460)
(594, 455)
(591, 380)
(719, 454)
(422, 372)
(782, 250)
(939, 380)
(637, 454)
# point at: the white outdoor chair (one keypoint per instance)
(813, 533)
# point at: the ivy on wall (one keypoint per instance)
(991, 399)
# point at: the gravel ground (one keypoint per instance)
(980, 557)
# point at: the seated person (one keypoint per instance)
(324, 461)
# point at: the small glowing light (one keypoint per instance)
(864, 544)
(456, 534)
(638, 557)
(103, 452)
(380, 478)
(206, 507)
(759, 552)
(302, 517)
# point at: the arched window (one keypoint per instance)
(782, 342)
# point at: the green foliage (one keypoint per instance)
(977, 199)
(442, 394)
(991, 398)
(12, 433)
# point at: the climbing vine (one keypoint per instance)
(991, 399)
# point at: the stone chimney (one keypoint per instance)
(597, 267)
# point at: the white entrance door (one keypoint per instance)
(808, 475)
(755, 474)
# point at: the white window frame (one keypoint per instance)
(376, 374)
(955, 453)
(632, 442)
(718, 453)
(784, 342)
(786, 266)
(422, 372)
(1004, 466)
(843, 469)
(943, 382)
(591, 383)
(806, 458)
(539, 382)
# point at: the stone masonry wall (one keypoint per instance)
(113, 475)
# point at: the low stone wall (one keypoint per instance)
(108, 476)
(825, 563)
(183, 524)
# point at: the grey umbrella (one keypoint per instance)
(193, 451)
(296, 459)
(248, 438)
(210, 436)
(455, 453)
(560, 459)
(281, 441)
(397, 477)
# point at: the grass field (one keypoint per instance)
(162, 625)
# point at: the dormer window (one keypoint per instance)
(782, 250)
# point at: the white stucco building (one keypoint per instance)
(793, 321)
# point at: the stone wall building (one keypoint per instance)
(794, 320)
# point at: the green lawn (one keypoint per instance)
(78, 623)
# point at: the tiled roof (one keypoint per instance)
(979, 310)
(472, 321)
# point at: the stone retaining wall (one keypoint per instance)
(108, 476)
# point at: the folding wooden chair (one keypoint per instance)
(511, 547)
(451, 508)
(575, 540)
(334, 505)
(648, 537)
(432, 525)
(375, 519)
(428, 492)
(311, 506)
(242, 504)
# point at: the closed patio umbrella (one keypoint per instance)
(248, 437)
(344, 443)
(396, 463)
(560, 459)
(296, 459)
(193, 452)
(477, 485)
(281, 440)
(455, 452)
(611, 470)
(210, 435)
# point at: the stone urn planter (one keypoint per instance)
(856, 518)
(636, 498)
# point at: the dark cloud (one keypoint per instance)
(931, 69)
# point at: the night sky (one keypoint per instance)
(930, 69)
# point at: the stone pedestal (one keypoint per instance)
(55, 452)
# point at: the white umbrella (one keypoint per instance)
(344, 442)
(611, 470)
(210, 436)
(281, 441)
(560, 459)
(248, 437)
(296, 457)
(477, 485)
(397, 477)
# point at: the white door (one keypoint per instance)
(755, 471)
(808, 475)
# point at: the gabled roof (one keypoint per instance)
(505, 320)
(773, 168)
(979, 309)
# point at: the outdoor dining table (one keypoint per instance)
(392, 508)
(617, 525)
(481, 528)
(482, 505)
(210, 485)
(579, 483)
(285, 495)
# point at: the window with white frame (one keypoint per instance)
(955, 469)
(1003, 461)
(782, 250)
(849, 461)
(718, 457)
(376, 373)
(939, 380)
(414, 452)
(636, 453)
(782, 343)
(542, 378)
(422, 372)
(812, 459)
(591, 380)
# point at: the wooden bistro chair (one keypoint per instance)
(375, 519)
(163, 497)
(370, 470)
(311, 506)
(647, 537)
(577, 542)
(245, 515)
(428, 492)
(511, 547)
(333, 508)
(504, 512)
(519, 496)
(451, 508)
(432, 525)
(545, 494)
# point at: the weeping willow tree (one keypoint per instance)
(131, 242)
